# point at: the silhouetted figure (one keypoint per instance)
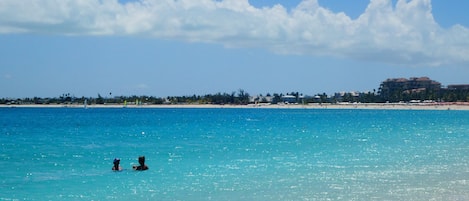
(116, 166)
(141, 161)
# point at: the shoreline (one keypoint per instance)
(359, 106)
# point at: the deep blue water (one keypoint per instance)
(234, 154)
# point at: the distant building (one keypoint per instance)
(402, 89)
(289, 99)
(455, 93)
(458, 87)
(293, 99)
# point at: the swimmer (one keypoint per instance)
(116, 166)
(141, 161)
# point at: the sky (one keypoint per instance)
(185, 47)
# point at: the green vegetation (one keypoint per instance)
(391, 90)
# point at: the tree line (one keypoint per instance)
(244, 99)
(394, 90)
(238, 98)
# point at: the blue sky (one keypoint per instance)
(185, 47)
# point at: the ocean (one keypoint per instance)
(234, 154)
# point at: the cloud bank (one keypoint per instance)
(402, 34)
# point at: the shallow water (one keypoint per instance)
(234, 154)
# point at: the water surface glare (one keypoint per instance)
(234, 154)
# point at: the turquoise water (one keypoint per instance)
(234, 154)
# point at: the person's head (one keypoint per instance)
(116, 162)
(141, 160)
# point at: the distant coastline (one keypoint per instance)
(371, 106)
(394, 93)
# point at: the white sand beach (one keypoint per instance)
(372, 106)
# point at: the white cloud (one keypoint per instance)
(405, 33)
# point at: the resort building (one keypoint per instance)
(402, 89)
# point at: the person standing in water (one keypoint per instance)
(142, 166)
(116, 166)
